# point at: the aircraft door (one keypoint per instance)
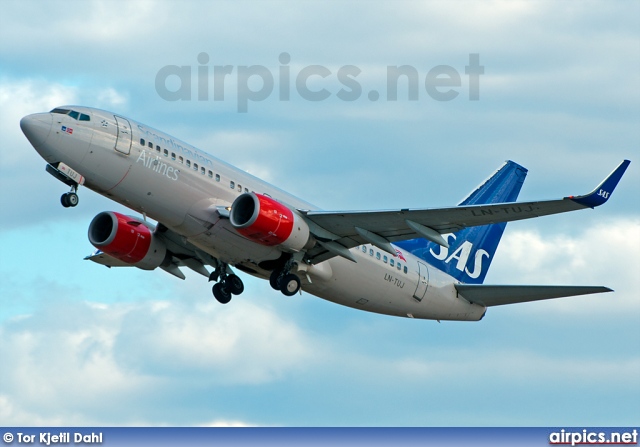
(123, 137)
(423, 281)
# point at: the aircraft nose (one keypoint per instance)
(36, 127)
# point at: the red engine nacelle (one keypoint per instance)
(127, 239)
(268, 222)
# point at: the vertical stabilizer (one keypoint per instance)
(471, 250)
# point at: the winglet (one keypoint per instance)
(603, 191)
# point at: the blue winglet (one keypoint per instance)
(602, 193)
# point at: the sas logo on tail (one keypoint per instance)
(461, 256)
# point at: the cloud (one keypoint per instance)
(110, 98)
(513, 366)
(246, 149)
(82, 363)
(222, 423)
(600, 254)
(240, 344)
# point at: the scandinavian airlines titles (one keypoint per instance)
(156, 164)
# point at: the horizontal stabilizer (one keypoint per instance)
(489, 295)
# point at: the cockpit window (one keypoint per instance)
(73, 114)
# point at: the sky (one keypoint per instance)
(559, 94)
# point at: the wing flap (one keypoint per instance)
(492, 295)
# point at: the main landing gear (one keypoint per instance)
(282, 280)
(227, 284)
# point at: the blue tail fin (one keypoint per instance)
(471, 250)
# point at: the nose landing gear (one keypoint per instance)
(69, 177)
(70, 199)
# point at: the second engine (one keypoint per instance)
(127, 239)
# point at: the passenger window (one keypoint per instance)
(195, 166)
(232, 185)
(150, 144)
(246, 190)
(202, 170)
(173, 155)
(142, 143)
(392, 262)
(371, 252)
(188, 163)
(384, 259)
(73, 114)
(166, 152)
(210, 174)
(158, 149)
(180, 159)
(217, 177)
(84, 117)
(378, 255)
(399, 266)
(364, 249)
(405, 269)
(240, 188)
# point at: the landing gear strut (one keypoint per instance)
(282, 280)
(228, 284)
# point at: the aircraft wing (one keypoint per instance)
(489, 295)
(338, 231)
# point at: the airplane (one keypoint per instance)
(412, 263)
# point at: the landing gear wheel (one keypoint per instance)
(233, 284)
(69, 199)
(221, 293)
(274, 280)
(290, 284)
(72, 198)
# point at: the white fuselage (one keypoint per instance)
(180, 186)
